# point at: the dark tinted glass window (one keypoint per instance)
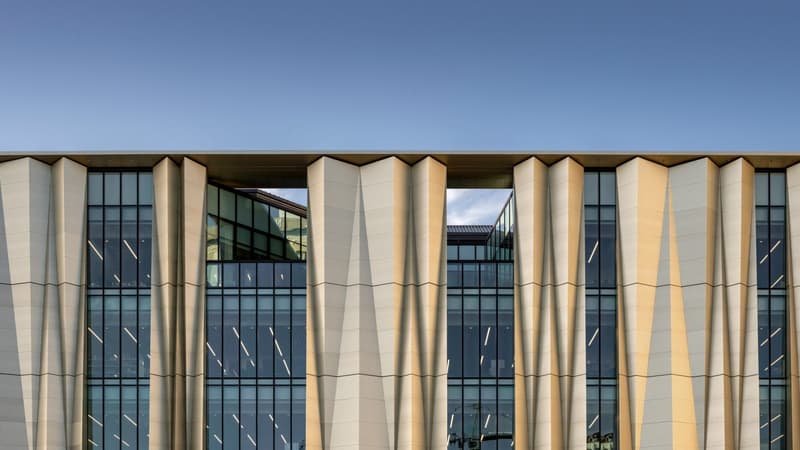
(118, 253)
(255, 355)
(770, 198)
(600, 246)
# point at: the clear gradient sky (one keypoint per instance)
(400, 75)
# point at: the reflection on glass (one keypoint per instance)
(242, 227)
(118, 250)
(770, 196)
(255, 356)
(599, 196)
(480, 340)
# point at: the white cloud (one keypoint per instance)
(475, 206)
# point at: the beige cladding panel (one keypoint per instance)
(687, 322)
(376, 305)
(177, 333)
(550, 362)
(738, 305)
(793, 273)
(42, 309)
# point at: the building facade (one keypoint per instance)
(152, 301)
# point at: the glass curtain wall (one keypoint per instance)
(242, 228)
(255, 342)
(500, 244)
(770, 196)
(600, 199)
(480, 346)
(118, 320)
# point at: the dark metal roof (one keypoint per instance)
(469, 229)
(468, 234)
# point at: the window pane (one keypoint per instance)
(265, 274)
(283, 337)
(762, 188)
(505, 275)
(452, 252)
(505, 337)
(276, 247)
(488, 334)
(261, 217)
(454, 417)
(454, 275)
(282, 275)
(608, 188)
(212, 200)
(472, 337)
(212, 238)
(111, 189)
(225, 240)
(454, 338)
(488, 275)
(94, 410)
(777, 189)
(145, 244)
(244, 211)
(591, 188)
(243, 243)
(247, 336)
(230, 336)
(94, 338)
(470, 275)
(298, 275)
(266, 337)
(95, 188)
(111, 333)
(129, 188)
(96, 247)
(293, 227)
(129, 252)
(129, 434)
(146, 188)
(248, 418)
(144, 336)
(214, 336)
(111, 417)
(214, 417)
(227, 204)
(111, 247)
(298, 337)
(129, 337)
(230, 417)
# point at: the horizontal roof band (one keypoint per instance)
(466, 169)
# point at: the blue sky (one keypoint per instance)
(425, 75)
